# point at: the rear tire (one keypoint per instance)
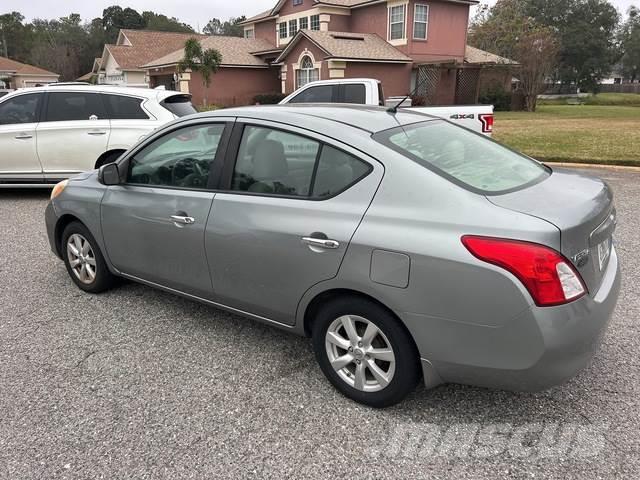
(375, 362)
(84, 261)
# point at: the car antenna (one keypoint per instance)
(394, 109)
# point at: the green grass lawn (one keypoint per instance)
(574, 133)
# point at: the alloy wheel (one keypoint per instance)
(81, 258)
(360, 353)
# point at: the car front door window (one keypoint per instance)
(180, 159)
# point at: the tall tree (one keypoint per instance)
(115, 18)
(230, 28)
(196, 59)
(162, 23)
(14, 36)
(629, 38)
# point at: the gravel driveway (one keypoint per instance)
(137, 383)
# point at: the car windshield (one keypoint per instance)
(466, 158)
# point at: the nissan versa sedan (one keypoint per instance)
(404, 246)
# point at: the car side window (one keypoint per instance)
(71, 106)
(355, 93)
(275, 162)
(319, 94)
(337, 171)
(120, 107)
(20, 109)
(181, 158)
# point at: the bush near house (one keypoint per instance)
(268, 98)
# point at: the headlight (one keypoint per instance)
(59, 188)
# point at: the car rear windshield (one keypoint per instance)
(468, 159)
(179, 105)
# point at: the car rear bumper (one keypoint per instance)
(51, 219)
(542, 347)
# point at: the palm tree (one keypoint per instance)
(196, 59)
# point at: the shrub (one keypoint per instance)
(268, 98)
(418, 101)
(498, 97)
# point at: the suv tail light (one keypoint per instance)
(548, 275)
(487, 122)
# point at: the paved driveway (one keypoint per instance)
(137, 383)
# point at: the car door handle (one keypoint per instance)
(24, 136)
(97, 132)
(321, 242)
(183, 220)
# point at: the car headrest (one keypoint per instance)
(269, 161)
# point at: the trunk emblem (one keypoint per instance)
(580, 259)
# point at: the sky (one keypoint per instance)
(194, 12)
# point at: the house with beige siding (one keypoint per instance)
(15, 74)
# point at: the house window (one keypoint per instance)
(315, 22)
(420, 22)
(282, 29)
(249, 33)
(293, 27)
(297, 2)
(304, 23)
(307, 72)
(396, 22)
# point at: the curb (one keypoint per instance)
(620, 168)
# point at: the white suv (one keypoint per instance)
(53, 132)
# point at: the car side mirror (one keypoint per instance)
(109, 174)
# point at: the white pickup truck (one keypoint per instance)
(368, 91)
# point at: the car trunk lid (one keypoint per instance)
(581, 207)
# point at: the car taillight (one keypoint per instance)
(487, 122)
(548, 275)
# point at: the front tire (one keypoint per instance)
(84, 261)
(365, 352)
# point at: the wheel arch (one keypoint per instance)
(61, 224)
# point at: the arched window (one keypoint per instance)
(306, 72)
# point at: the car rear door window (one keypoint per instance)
(355, 93)
(337, 171)
(274, 162)
(20, 109)
(181, 158)
(71, 106)
(179, 105)
(121, 107)
(319, 94)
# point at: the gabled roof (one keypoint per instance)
(349, 46)
(147, 45)
(18, 68)
(476, 56)
(235, 51)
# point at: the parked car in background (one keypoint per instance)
(53, 132)
(405, 246)
(368, 91)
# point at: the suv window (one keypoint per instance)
(181, 158)
(466, 158)
(179, 105)
(70, 106)
(281, 163)
(355, 93)
(20, 109)
(125, 108)
(319, 94)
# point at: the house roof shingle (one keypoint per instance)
(477, 56)
(352, 46)
(147, 45)
(11, 66)
(235, 51)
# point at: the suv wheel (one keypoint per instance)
(365, 352)
(84, 261)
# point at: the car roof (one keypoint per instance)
(148, 93)
(367, 118)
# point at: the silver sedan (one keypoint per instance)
(406, 247)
